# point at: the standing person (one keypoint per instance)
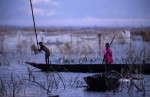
(108, 56)
(42, 35)
(46, 50)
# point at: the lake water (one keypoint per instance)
(27, 81)
(68, 84)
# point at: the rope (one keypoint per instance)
(34, 23)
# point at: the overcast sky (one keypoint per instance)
(76, 12)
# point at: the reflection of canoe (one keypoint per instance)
(103, 81)
(93, 68)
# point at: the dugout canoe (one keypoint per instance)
(91, 68)
(103, 81)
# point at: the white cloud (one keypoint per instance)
(40, 1)
(42, 12)
(52, 2)
(45, 10)
(97, 22)
(83, 21)
(39, 11)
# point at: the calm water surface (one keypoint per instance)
(74, 84)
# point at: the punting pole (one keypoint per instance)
(34, 23)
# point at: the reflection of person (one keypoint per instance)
(46, 50)
(108, 57)
(42, 35)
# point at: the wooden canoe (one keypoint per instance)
(91, 68)
(103, 81)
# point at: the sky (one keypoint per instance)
(76, 13)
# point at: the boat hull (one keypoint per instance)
(102, 81)
(91, 68)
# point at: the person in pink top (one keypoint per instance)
(108, 57)
(108, 54)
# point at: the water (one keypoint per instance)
(27, 81)
(68, 84)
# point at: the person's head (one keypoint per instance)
(40, 43)
(107, 45)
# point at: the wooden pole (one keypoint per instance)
(99, 40)
(3, 38)
(34, 23)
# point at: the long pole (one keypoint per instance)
(34, 23)
(99, 40)
(3, 40)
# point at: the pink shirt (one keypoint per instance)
(108, 56)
